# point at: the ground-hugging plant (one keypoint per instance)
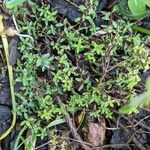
(66, 63)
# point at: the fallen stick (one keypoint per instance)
(72, 127)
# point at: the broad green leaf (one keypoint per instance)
(128, 109)
(146, 101)
(147, 2)
(137, 6)
(147, 85)
(10, 4)
(122, 9)
(134, 104)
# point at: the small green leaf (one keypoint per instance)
(56, 122)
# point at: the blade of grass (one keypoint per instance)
(19, 137)
(140, 29)
(56, 122)
(11, 81)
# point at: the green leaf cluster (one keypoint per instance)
(68, 64)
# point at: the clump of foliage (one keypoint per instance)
(67, 64)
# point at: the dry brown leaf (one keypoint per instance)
(1, 27)
(96, 134)
(10, 31)
(79, 117)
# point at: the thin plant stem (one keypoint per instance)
(11, 80)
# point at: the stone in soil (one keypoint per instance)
(146, 23)
(144, 75)
(14, 54)
(4, 92)
(72, 12)
(119, 137)
(5, 112)
(5, 115)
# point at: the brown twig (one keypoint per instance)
(113, 146)
(106, 62)
(71, 139)
(73, 130)
(134, 139)
(144, 126)
(42, 145)
(140, 122)
(72, 127)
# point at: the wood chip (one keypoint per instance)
(96, 134)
